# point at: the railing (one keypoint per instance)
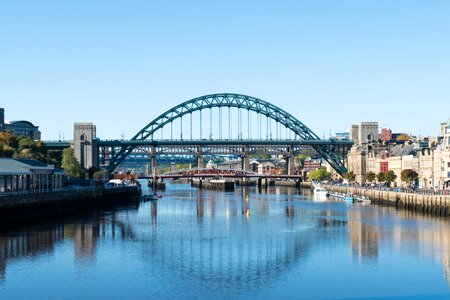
(43, 191)
(65, 189)
(427, 192)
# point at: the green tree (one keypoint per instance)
(320, 174)
(370, 177)
(350, 176)
(70, 164)
(389, 177)
(381, 177)
(408, 176)
(6, 151)
(300, 159)
(99, 175)
(25, 142)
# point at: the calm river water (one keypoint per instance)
(247, 244)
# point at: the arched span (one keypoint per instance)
(237, 101)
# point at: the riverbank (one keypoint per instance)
(428, 204)
(25, 207)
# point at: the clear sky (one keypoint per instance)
(119, 64)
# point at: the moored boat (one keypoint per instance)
(149, 197)
(320, 191)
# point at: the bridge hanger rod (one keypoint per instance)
(229, 122)
(220, 123)
(210, 124)
(249, 124)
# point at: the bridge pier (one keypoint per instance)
(200, 157)
(245, 162)
(153, 161)
(290, 161)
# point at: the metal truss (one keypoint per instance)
(327, 151)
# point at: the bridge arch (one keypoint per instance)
(231, 100)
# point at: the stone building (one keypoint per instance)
(429, 158)
(364, 133)
(357, 163)
(85, 144)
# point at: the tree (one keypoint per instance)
(370, 176)
(300, 159)
(6, 151)
(98, 175)
(350, 176)
(389, 177)
(91, 172)
(320, 174)
(381, 177)
(408, 176)
(22, 147)
(24, 142)
(70, 164)
(403, 138)
(7, 139)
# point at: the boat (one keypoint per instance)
(348, 198)
(363, 199)
(320, 191)
(150, 197)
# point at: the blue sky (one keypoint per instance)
(119, 64)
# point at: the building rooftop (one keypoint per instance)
(400, 150)
(9, 166)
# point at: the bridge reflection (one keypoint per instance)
(237, 238)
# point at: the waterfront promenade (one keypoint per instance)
(436, 203)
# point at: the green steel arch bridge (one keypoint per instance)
(222, 124)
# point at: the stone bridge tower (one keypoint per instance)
(85, 144)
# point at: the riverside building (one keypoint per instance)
(430, 160)
(21, 127)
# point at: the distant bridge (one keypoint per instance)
(219, 173)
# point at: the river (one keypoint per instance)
(279, 243)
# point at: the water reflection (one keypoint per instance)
(234, 242)
(363, 238)
(31, 243)
(85, 237)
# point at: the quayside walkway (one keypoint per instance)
(420, 201)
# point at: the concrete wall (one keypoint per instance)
(437, 205)
(30, 206)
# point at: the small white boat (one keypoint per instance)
(363, 199)
(149, 197)
(320, 191)
(348, 198)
